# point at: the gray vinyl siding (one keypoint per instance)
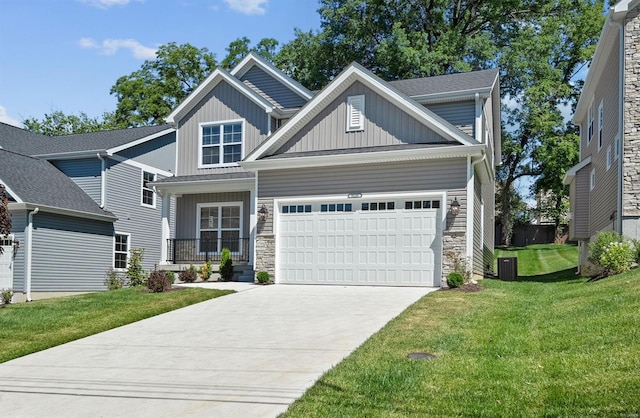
(159, 153)
(441, 175)
(124, 199)
(186, 210)
(462, 115)
(385, 124)
(173, 211)
(19, 229)
(488, 191)
(86, 173)
(273, 88)
(70, 254)
(477, 226)
(580, 206)
(223, 103)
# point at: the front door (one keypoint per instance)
(6, 262)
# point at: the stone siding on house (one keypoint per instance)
(631, 170)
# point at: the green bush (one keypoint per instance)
(455, 279)
(189, 275)
(600, 242)
(136, 275)
(206, 270)
(226, 265)
(6, 295)
(171, 275)
(263, 277)
(113, 281)
(158, 281)
(616, 258)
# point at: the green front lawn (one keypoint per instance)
(29, 327)
(550, 344)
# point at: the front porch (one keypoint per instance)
(199, 251)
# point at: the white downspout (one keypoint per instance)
(478, 127)
(103, 181)
(166, 230)
(29, 252)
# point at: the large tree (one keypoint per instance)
(147, 96)
(59, 123)
(240, 48)
(5, 215)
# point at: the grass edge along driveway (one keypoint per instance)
(550, 345)
(26, 328)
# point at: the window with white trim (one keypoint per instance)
(120, 251)
(600, 124)
(355, 113)
(608, 157)
(148, 195)
(590, 123)
(422, 204)
(378, 206)
(616, 147)
(220, 143)
(219, 226)
(592, 179)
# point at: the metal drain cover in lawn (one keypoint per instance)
(421, 356)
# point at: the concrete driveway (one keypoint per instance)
(249, 354)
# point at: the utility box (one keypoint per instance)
(508, 268)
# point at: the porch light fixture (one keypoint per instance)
(263, 213)
(16, 244)
(455, 207)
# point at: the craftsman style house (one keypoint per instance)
(605, 184)
(365, 182)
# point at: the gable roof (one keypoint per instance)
(254, 59)
(356, 72)
(205, 88)
(29, 143)
(37, 182)
(453, 85)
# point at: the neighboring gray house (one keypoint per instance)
(605, 184)
(365, 182)
(112, 172)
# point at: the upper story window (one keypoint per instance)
(616, 147)
(600, 124)
(355, 113)
(592, 179)
(148, 196)
(221, 143)
(608, 157)
(590, 123)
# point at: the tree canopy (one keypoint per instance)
(5, 215)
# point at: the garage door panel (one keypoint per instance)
(385, 247)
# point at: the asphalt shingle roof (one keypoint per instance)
(39, 182)
(446, 83)
(29, 143)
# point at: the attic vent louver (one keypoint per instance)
(355, 113)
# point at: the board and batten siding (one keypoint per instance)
(273, 88)
(70, 254)
(159, 152)
(86, 173)
(408, 176)
(581, 204)
(187, 211)
(19, 229)
(462, 115)
(489, 198)
(384, 124)
(124, 199)
(223, 103)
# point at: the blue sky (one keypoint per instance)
(66, 54)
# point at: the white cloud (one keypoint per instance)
(250, 7)
(5, 118)
(105, 4)
(111, 46)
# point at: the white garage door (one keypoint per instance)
(388, 242)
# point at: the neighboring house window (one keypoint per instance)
(600, 124)
(608, 157)
(120, 251)
(219, 226)
(148, 196)
(355, 113)
(221, 143)
(590, 123)
(592, 179)
(616, 147)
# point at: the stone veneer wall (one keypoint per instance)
(266, 242)
(453, 242)
(631, 145)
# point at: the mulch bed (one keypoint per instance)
(468, 288)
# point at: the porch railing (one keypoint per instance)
(195, 250)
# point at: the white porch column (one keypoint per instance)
(253, 221)
(166, 231)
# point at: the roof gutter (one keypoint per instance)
(74, 155)
(62, 211)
